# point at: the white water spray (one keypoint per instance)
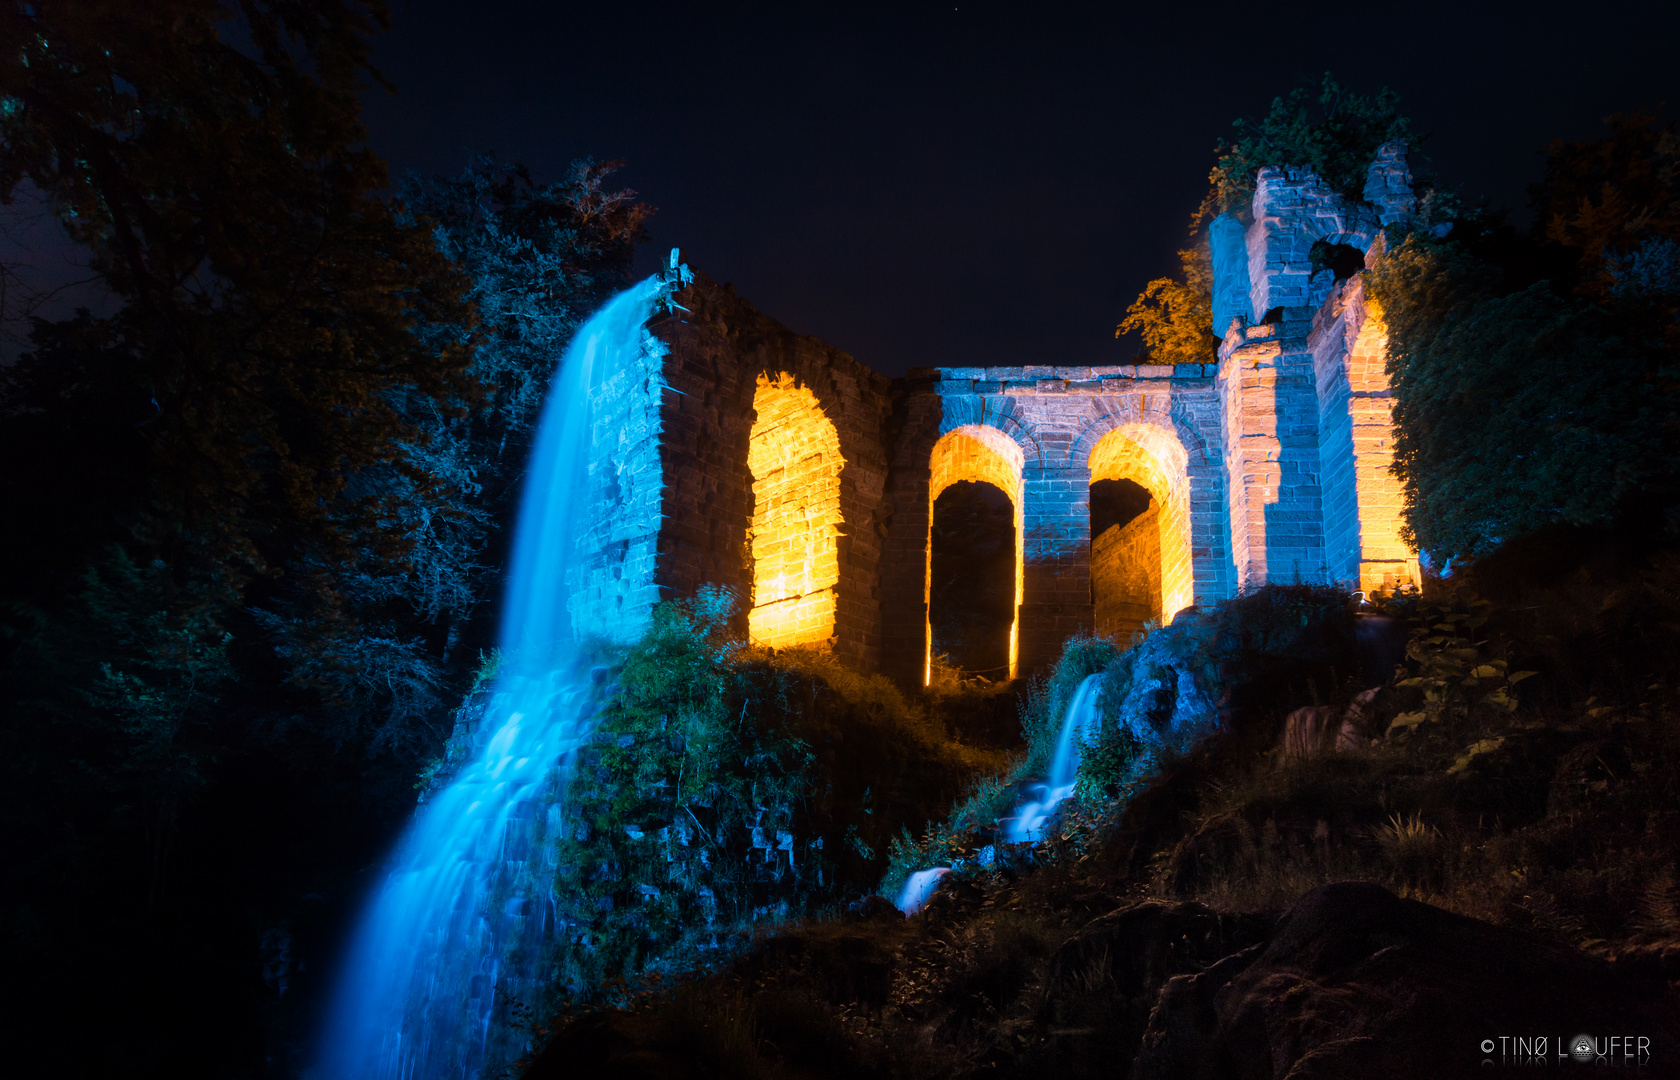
(1082, 714)
(456, 922)
(1027, 826)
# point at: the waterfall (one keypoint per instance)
(458, 918)
(1031, 816)
(918, 887)
(1082, 713)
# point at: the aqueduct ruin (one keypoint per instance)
(748, 456)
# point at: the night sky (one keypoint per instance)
(964, 184)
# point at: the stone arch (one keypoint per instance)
(1359, 238)
(793, 454)
(1154, 456)
(993, 414)
(989, 455)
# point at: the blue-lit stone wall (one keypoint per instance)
(1270, 465)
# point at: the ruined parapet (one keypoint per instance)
(1229, 249)
(726, 364)
(1306, 404)
(1293, 210)
(1388, 184)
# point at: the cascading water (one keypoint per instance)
(458, 919)
(918, 887)
(1082, 714)
(1027, 826)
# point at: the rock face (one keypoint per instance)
(1354, 981)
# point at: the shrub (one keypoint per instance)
(727, 787)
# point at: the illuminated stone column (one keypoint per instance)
(1364, 502)
(1385, 560)
(1056, 583)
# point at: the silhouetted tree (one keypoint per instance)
(1533, 374)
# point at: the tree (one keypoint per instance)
(538, 260)
(1175, 315)
(219, 444)
(1533, 374)
(1335, 134)
(269, 293)
(1616, 202)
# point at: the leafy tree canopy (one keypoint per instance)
(1326, 128)
(269, 293)
(258, 497)
(1533, 374)
(1174, 316)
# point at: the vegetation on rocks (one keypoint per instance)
(1328, 129)
(1535, 817)
(728, 790)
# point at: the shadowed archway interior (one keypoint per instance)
(1125, 557)
(985, 455)
(1140, 529)
(971, 590)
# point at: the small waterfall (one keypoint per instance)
(1027, 826)
(459, 918)
(1082, 713)
(918, 887)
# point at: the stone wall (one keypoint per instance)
(1364, 502)
(1057, 419)
(794, 457)
(616, 586)
(1306, 402)
(1271, 465)
(1126, 574)
(717, 350)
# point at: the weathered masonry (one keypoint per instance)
(745, 455)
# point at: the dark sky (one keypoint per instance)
(965, 183)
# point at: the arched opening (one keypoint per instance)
(1140, 529)
(794, 456)
(971, 584)
(1125, 557)
(980, 456)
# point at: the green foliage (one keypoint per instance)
(1616, 201)
(1327, 128)
(1452, 675)
(298, 429)
(1534, 376)
(268, 292)
(1109, 760)
(1514, 410)
(727, 787)
(1173, 314)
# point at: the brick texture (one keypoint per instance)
(746, 455)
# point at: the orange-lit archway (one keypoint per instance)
(794, 457)
(977, 452)
(1155, 460)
